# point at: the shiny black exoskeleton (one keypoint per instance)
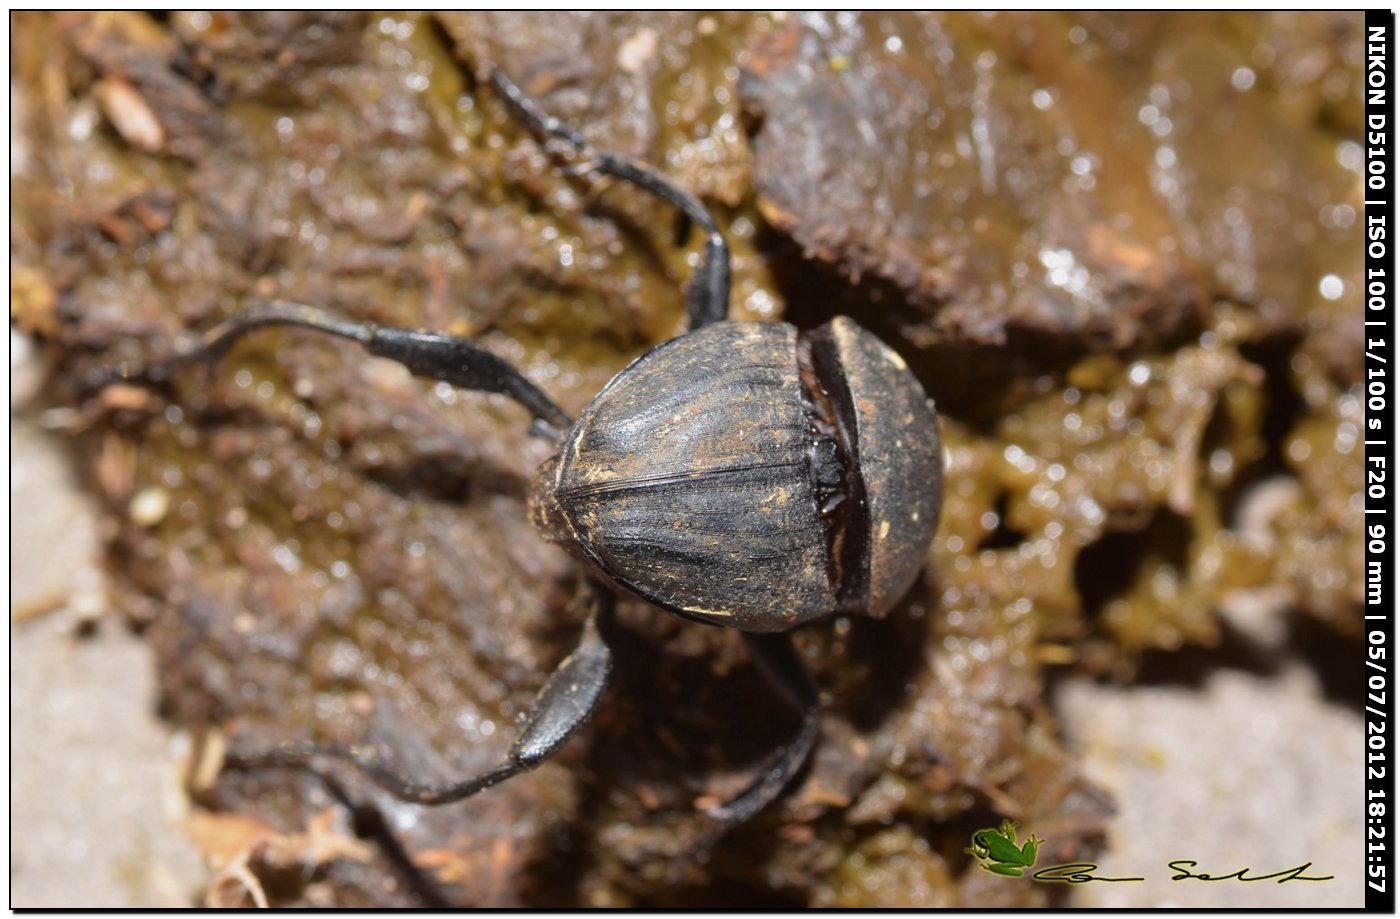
(724, 476)
(745, 475)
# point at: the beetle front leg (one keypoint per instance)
(562, 706)
(781, 664)
(450, 358)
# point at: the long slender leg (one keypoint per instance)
(781, 664)
(708, 298)
(450, 358)
(561, 707)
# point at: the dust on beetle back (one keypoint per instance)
(687, 482)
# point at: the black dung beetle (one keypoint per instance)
(751, 476)
(745, 475)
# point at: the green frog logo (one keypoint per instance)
(997, 850)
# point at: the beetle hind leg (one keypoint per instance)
(708, 298)
(780, 663)
(450, 358)
(562, 706)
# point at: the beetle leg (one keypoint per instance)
(562, 706)
(450, 358)
(780, 663)
(708, 298)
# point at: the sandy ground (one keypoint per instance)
(95, 803)
(1245, 771)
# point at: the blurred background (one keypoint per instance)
(1121, 251)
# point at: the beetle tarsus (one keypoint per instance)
(449, 358)
(708, 298)
(562, 706)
